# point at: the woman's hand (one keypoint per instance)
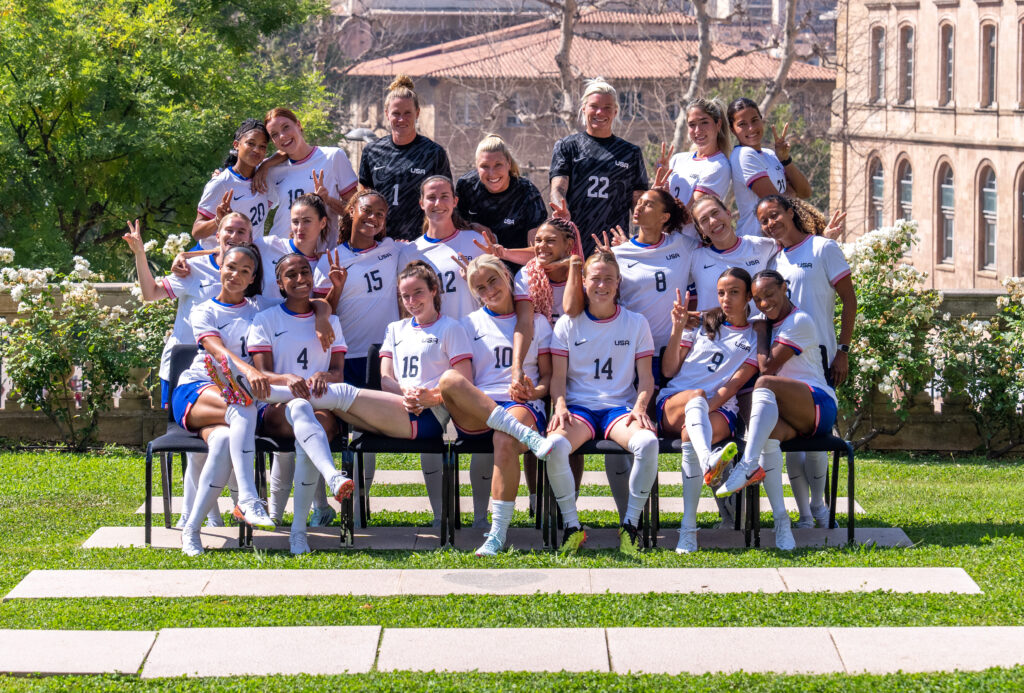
(463, 262)
(297, 385)
(224, 208)
(663, 172)
(561, 419)
(337, 274)
(835, 225)
(259, 383)
(681, 315)
(317, 383)
(522, 390)
(259, 178)
(180, 266)
(781, 145)
(840, 368)
(324, 332)
(639, 414)
(319, 189)
(491, 247)
(560, 211)
(134, 238)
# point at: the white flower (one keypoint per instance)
(16, 292)
(150, 246)
(6, 256)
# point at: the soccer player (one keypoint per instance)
(707, 367)
(595, 358)
(757, 171)
(231, 189)
(791, 397)
(816, 272)
(598, 175)
(397, 165)
(308, 236)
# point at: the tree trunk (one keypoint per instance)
(563, 59)
(776, 86)
(699, 73)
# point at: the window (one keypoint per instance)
(905, 190)
(988, 65)
(464, 108)
(877, 194)
(877, 67)
(944, 223)
(631, 104)
(946, 65)
(906, 62)
(988, 219)
(515, 107)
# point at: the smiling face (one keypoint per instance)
(402, 114)
(295, 278)
(368, 219)
(777, 223)
(236, 274)
(493, 169)
(601, 283)
(714, 222)
(252, 148)
(770, 297)
(702, 131)
(550, 244)
(438, 201)
(650, 212)
(286, 134)
(418, 299)
(733, 296)
(307, 227)
(748, 127)
(492, 289)
(599, 113)
(235, 229)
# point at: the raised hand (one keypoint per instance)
(134, 237)
(560, 211)
(490, 247)
(180, 266)
(680, 312)
(463, 262)
(319, 189)
(666, 155)
(337, 274)
(224, 208)
(605, 245)
(618, 236)
(781, 143)
(835, 225)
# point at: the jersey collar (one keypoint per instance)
(794, 247)
(618, 309)
(228, 305)
(419, 326)
(213, 261)
(357, 251)
(298, 315)
(295, 249)
(236, 174)
(428, 239)
(638, 244)
(497, 315)
(305, 158)
(739, 239)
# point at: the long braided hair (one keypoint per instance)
(537, 281)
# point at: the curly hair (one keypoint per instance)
(345, 222)
(806, 217)
(678, 215)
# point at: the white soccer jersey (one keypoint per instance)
(243, 199)
(813, 267)
(749, 165)
(293, 179)
(602, 357)
(291, 339)
(368, 304)
(231, 323)
(491, 336)
(272, 249)
(751, 253)
(691, 173)
(422, 353)
(650, 276)
(521, 290)
(710, 363)
(797, 331)
(457, 300)
(201, 284)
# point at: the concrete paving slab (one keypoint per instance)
(493, 649)
(685, 580)
(887, 650)
(495, 581)
(907, 580)
(727, 650)
(320, 582)
(388, 477)
(262, 651)
(73, 651)
(110, 583)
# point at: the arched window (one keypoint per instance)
(988, 65)
(944, 220)
(987, 221)
(906, 65)
(877, 66)
(905, 190)
(876, 198)
(946, 41)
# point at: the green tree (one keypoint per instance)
(114, 109)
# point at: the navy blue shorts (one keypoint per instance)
(355, 372)
(599, 421)
(165, 393)
(540, 420)
(425, 426)
(182, 399)
(730, 415)
(825, 411)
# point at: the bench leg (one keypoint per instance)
(149, 495)
(851, 515)
(166, 470)
(347, 534)
(655, 513)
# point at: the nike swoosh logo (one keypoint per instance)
(221, 327)
(239, 198)
(633, 264)
(582, 341)
(311, 483)
(477, 339)
(398, 342)
(206, 285)
(751, 474)
(377, 168)
(311, 435)
(246, 452)
(708, 266)
(278, 334)
(579, 159)
(694, 476)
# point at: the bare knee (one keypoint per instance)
(451, 379)
(505, 446)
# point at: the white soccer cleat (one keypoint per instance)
(783, 536)
(804, 523)
(322, 517)
(491, 547)
(255, 514)
(341, 486)
(743, 475)
(538, 444)
(687, 541)
(820, 516)
(190, 543)
(299, 543)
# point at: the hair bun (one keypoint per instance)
(400, 82)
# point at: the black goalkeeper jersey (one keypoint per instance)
(396, 172)
(603, 173)
(510, 214)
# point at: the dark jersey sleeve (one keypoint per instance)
(561, 159)
(641, 182)
(365, 168)
(443, 166)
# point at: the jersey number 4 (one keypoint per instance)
(598, 187)
(605, 368)
(303, 359)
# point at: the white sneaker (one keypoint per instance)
(214, 519)
(820, 516)
(253, 513)
(299, 543)
(538, 444)
(322, 517)
(804, 523)
(783, 536)
(190, 543)
(687, 541)
(341, 486)
(182, 521)
(491, 547)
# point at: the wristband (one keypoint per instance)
(845, 348)
(786, 162)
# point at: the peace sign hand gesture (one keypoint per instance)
(224, 208)
(560, 211)
(134, 238)
(337, 274)
(605, 245)
(680, 312)
(781, 143)
(319, 189)
(835, 225)
(490, 247)
(463, 262)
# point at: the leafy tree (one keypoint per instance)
(115, 109)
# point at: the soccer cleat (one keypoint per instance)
(298, 543)
(572, 540)
(628, 540)
(717, 463)
(783, 536)
(687, 541)
(743, 475)
(214, 520)
(216, 379)
(240, 394)
(491, 547)
(804, 523)
(253, 513)
(341, 486)
(190, 543)
(182, 521)
(820, 516)
(538, 444)
(322, 517)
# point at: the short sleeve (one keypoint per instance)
(365, 179)
(542, 334)
(640, 181)
(561, 164)
(689, 337)
(203, 324)
(210, 199)
(560, 337)
(180, 287)
(521, 288)
(456, 343)
(836, 266)
(645, 343)
(717, 181)
(752, 356)
(321, 283)
(387, 349)
(258, 339)
(344, 177)
(536, 212)
(752, 167)
(338, 345)
(409, 252)
(791, 334)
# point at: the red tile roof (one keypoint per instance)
(527, 51)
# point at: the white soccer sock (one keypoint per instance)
(796, 468)
(771, 461)
(501, 518)
(320, 493)
(431, 465)
(279, 394)
(282, 471)
(501, 420)
(481, 470)
(188, 481)
(310, 436)
(644, 446)
(242, 431)
(212, 479)
(617, 469)
(693, 481)
(306, 476)
(764, 414)
(563, 486)
(816, 469)
(233, 488)
(339, 397)
(698, 427)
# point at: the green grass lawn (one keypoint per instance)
(959, 512)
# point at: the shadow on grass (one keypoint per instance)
(961, 533)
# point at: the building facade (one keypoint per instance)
(928, 124)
